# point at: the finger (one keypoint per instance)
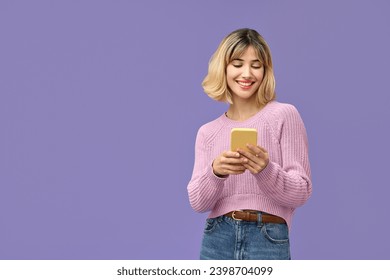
(231, 154)
(235, 171)
(252, 156)
(234, 167)
(231, 157)
(253, 164)
(255, 167)
(257, 150)
(250, 168)
(263, 149)
(233, 161)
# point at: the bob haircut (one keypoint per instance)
(231, 48)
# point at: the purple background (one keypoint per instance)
(100, 102)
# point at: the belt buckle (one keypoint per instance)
(233, 216)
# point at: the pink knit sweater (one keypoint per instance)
(279, 189)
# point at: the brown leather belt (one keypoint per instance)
(251, 216)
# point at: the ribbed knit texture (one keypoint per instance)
(279, 189)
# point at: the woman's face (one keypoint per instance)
(244, 76)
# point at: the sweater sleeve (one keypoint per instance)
(289, 184)
(204, 187)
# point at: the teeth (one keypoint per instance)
(244, 84)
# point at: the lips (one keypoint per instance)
(245, 84)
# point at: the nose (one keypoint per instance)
(246, 72)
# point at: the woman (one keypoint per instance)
(252, 195)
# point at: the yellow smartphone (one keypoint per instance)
(242, 136)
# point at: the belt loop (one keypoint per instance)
(259, 218)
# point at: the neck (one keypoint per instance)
(242, 112)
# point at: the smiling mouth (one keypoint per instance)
(245, 83)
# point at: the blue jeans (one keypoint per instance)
(227, 239)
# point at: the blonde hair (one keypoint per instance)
(231, 48)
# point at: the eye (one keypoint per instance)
(257, 66)
(237, 65)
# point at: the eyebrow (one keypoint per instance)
(239, 59)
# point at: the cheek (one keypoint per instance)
(260, 75)
(230, 82)
(230, 77)
(231, 72)
(260, 79)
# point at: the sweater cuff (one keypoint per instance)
(215, 180)
(267, 173)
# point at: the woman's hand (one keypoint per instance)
(257, 158)
(229, 163)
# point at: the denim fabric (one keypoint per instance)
(227, 239)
